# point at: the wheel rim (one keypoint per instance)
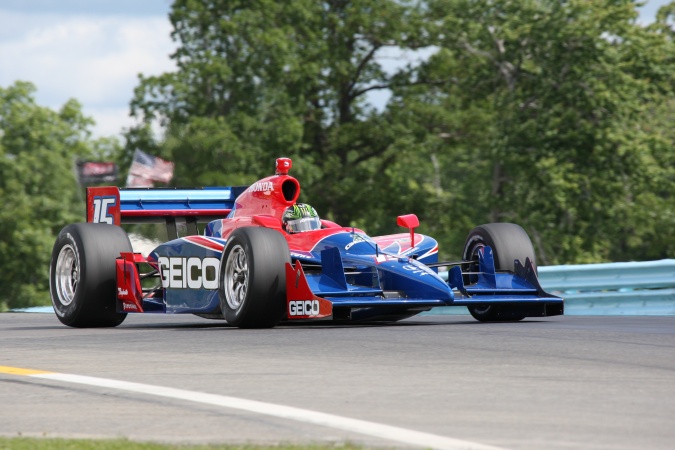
(67, 274)
(236, 277)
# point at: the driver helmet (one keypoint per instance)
(301, 217)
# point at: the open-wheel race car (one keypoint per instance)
(262, 258)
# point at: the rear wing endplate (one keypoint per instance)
(117, 206)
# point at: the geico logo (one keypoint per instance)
(192, 273)
(303, 308)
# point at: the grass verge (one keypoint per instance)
(26, 443)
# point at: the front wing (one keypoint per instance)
(520, 290)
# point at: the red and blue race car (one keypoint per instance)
(263, 258)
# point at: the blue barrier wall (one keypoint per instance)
(631, 288)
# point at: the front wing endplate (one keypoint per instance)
(301, 303)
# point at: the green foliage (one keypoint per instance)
(555, 115)
(261, 80)
(570, 85)
(25, 443)
(38, 190)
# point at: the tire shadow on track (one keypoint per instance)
(193, 323)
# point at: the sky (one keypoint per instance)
(90, 50)
(93, 51)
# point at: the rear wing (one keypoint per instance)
(117, 206)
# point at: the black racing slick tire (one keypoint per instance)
(82, 274)
(252, 288)
(508, 242)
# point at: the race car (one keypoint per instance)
(262, 258)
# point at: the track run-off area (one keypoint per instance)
(601, 382)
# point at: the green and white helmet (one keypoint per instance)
(301, 217)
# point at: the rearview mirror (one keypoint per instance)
(408, 221)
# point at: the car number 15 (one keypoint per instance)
(102, 207)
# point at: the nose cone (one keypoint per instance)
(413, 278)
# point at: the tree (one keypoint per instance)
(566, 88)
(259, 80)
(546, 113)
(38, 189)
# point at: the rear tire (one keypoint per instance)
(253, 277)
(82, 274)
(508, 242)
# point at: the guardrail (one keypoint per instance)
(629, 288)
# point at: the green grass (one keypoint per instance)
(24, 443)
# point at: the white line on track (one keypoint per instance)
(373, 429)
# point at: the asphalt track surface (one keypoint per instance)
(569, 382)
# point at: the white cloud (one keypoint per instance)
(94, 59)
(110, 120)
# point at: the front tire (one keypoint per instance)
(253, 277)
(82, 274)
(508, 242)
